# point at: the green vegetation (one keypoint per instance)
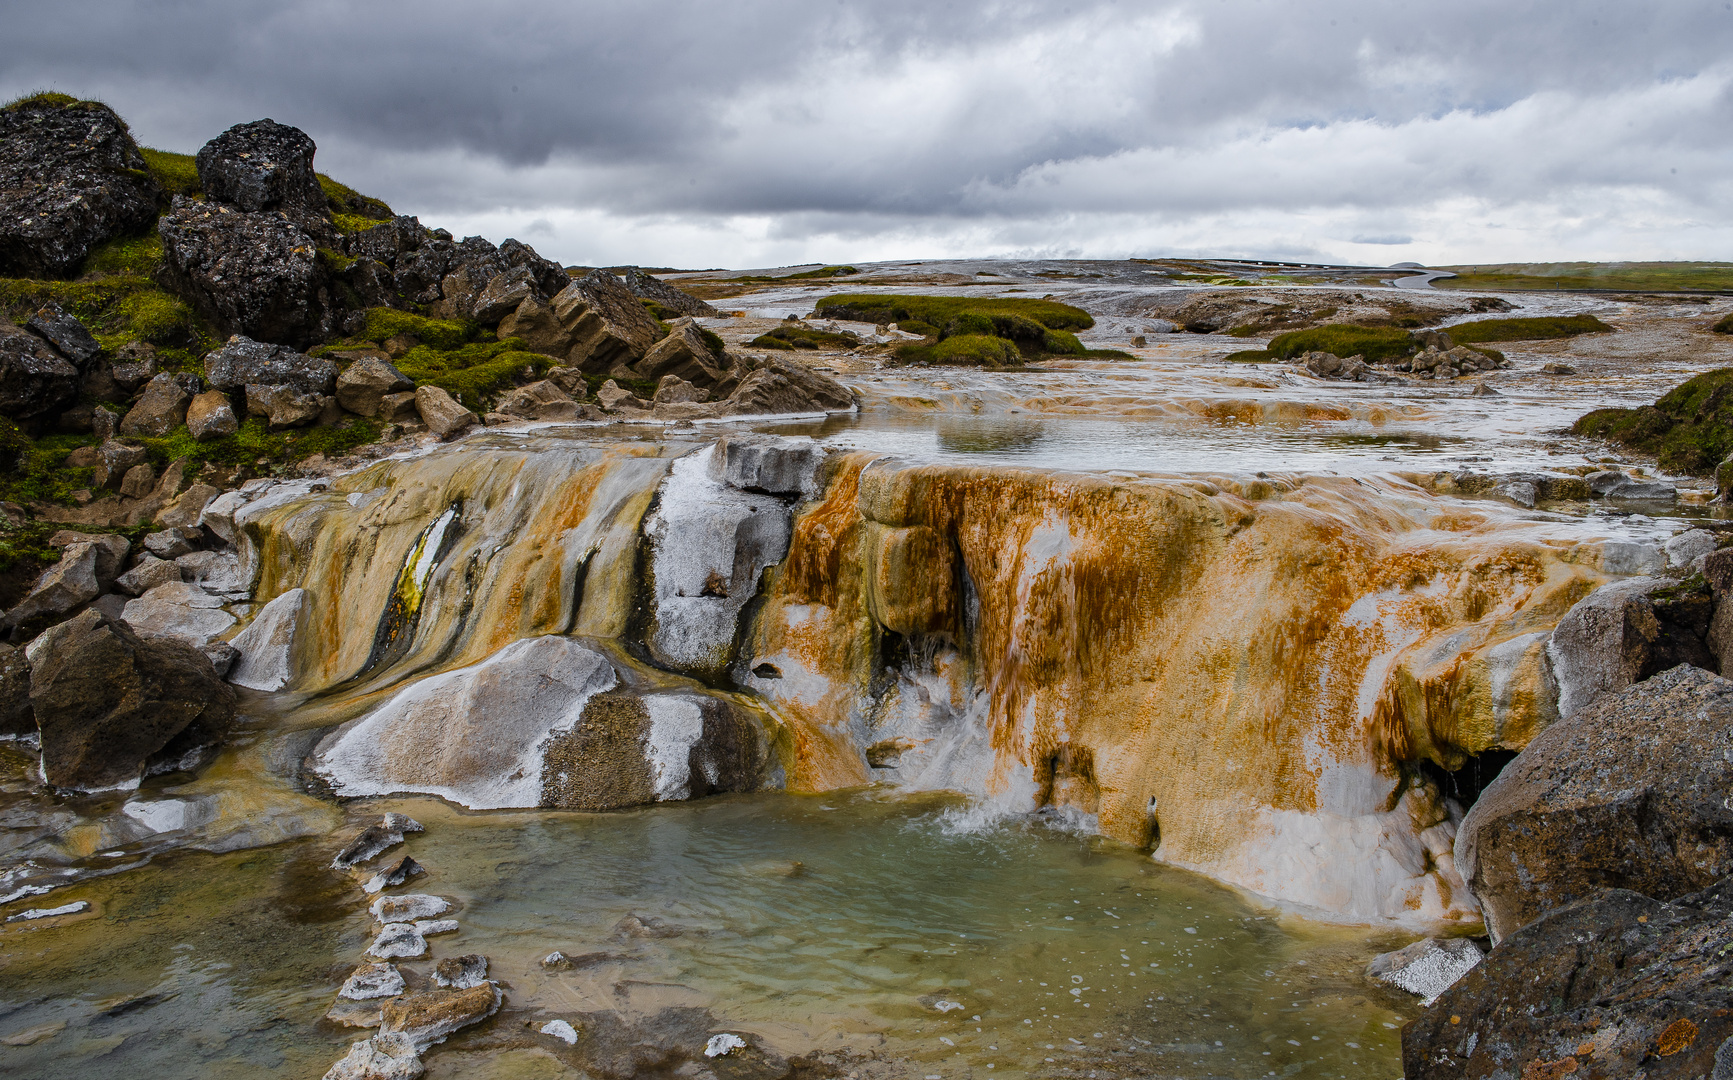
(1252, 356)
(980, 350)
(474, 373)
(177, 173)
(1690, 430)
(939, 310)
(823, 272)
(1725, 326)
(795, 336)
(345, 201)
(1619, 276)
(51, 99)
(916, 326)
(117, 308)
(1373, 343)
(1544, 329)
(385, 323)
(255, 442)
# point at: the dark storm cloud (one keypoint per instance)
(987, 123)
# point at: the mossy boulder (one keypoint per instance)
(1689, 430)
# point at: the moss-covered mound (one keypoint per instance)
(977, 350)
(1725, 325)
(1543, 329)
(939, 310)
(795, 336)
(1374, 343)
(1690, 430)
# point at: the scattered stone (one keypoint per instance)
(216, 572)
(675, 390)
(398, 408)
(265, 166)
(162, 409)
(427, 1018)
(461, 972)
(562, 1031)
(171, 543)
(107, 701)
(1689, 546)
(35, 381)
(398, 941)
(267, 645)
(116, 458)
(1616, 985)
(1483, 390)
(435, 927)
(219, 515)
(383, 1057)
(374, 839)
(1330, 366)
(441, 413)
(408, 907)
(613, 399)
(32, 914)
(61, 589)
(1426, 968)
(71, 178)
(397, 875)
(210, 416)
(178, 610)
(61, 329)
(221, 654)
(373, 981)
(540, 400)
(133, 366)
(1558, 369)
(147, 574)
(284, 406)
(364, 384)
(557, 961)
(646, 926)
(1626, 793)
(183, 511)
(719, 1045)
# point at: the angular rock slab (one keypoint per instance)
(1631, 793)
(1426, 968)
(428, 1018)
(267, 645)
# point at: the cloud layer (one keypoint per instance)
(770, 132)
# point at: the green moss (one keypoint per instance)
(714, 340)
(940, 310)
(345, 201)
(39, 99)
(1689, 430)
(795, 336)
(644, 388)
(1065, 343)
(1375, 343)
(1251, 356)
(156, 316)
(1621, 276)
(177, 173)
(137, 256)
(1245, 330)
(916, 326)
(1725, 326)
(254, 441)
(822, 272)
(384, 323)
(39, 473)
(1544, 329)
(116, 308)
(976, 350)
(474, 373)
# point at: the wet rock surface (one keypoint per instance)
(71, 178)
(1626, 794)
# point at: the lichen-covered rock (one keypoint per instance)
(61, 588)
(161, 409)
(243, 362)
(778, 385)
(265, 166)
(210, 416)
(107, 700)
(61, 329)
(672, 299)
(256, 274)
(1616, 985)
(441, 412)
(35, 381)
(71, 178)
(1629, 793)
(1624, 632)
(363, 385)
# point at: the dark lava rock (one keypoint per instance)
(35, 381)
(61, 329)
(108, 701)
(243, 362)
(1618, 985)
(71, 178)
(262, 166)
(256, 274)
(490, 283)
(1630, 793)
(645, 287)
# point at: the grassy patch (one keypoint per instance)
(1544, 329)
(37, 470)
(1251, 356)
(1621, 276)
(345, 201)
(916, 326)
(940, 310)
(976, 350)
(255, 442)
(474, 373)
(116, 308)
(1689, 430)
(1725, 326)
(177, 173)
(385, 323)
(822, 272)
(794, 336)
(644, 388)
(1374, 343)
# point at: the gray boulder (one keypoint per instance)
(1628, 793)
(243, 362)
(685, 355)
(613, 398)
(672, 389)
(267, 645)
(265, 166)
(178, 610)
(540, 400)
(35, 381)
(108, 701)
(161, 409)
(71, 178)
(171, 543)
(671, 299)
(255, 274)
(441, 412)
(210, 416)
(147, 574)
(61, 589)
(363, 385)
(1624, 632)
(767, 464)
(61, 329)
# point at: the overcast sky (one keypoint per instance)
(772, 132)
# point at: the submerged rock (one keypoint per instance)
(373, 981)
(408, 908)
(405, 869)
(1628, 794)
(461, 972)
(398, 941)
(428, 1018)
(107, 701)
(387, 833)
(1611, 986)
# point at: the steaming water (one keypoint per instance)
(841, 922)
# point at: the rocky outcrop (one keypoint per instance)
(71, 178)
(108, 701)
(685, 355)
(286, 387)
(256, 274)
(595, 323)
(491, 283)
(61, 329)
(777, 385)
(1624, 632)
(671, 299)
(266, 166)
(364, 383)
(1616, 985)
(1626, 794)
(540, 400)
(35, 381)
(535, 725)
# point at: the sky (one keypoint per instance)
(764, 133)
